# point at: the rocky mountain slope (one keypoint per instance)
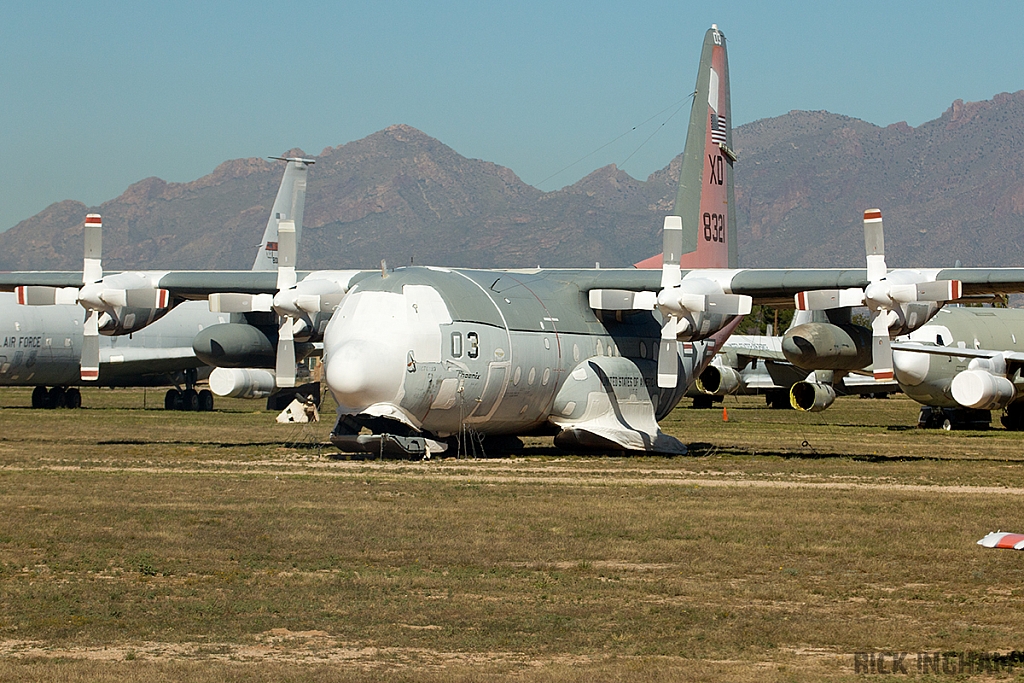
(952, 188)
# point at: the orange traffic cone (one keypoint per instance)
(725, 414)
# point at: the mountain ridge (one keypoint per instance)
(951, 188)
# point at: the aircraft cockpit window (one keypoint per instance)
(456, 345)
(474, 345)
(938, 340)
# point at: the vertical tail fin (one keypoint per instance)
(704, 199)
(290, 202)
(705, 196)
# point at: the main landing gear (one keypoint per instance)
(56, 397)
(189, 398)
(953, 418)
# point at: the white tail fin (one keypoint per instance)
(289, 205)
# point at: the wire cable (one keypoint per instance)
(679, 105)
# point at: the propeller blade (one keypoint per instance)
(329, 302)
(231, 302)
(37, 295)
(881, 348)
(672, 246)
(90, 362)
(940, 290)
(146, 298)
(286, 248)
(621, 300)
(874, 244)
(285, 367)
(826, 299)
(92, 268)
(729, 304)
(668, 362)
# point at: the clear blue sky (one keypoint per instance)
(97, 95)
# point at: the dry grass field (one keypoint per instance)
(137, 544)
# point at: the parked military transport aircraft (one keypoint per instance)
(41, 346)
(960, 365)
(755, 364)
(46, 344)
(963, 364)
(421, 358)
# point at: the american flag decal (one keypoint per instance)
(717, 129)
(271, 246)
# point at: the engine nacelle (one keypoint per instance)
(126, 302)
(908, 317)
(128, 319)
(982, 390)
(242, 382)
(234, 345)
(718, 380)
(811, 397)
(825, 346)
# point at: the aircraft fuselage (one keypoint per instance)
(502, 352)
(928, 378)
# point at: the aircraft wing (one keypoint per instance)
(779, 286)
(147, 361)
(763, 285)
(181, 284)
(957, 352)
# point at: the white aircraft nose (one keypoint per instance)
(360, 373)
(910, 368)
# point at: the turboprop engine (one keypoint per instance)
(900, 300)
(812, 397)
(718, 380)
(828, 346)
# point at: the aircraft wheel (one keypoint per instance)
(190, 400)
(778, 399)
(40, 398)
(73, 398)
(1013, 418)
(171, 398)
(947, 425)
(56, 397)
(206, 400)
(703, 402)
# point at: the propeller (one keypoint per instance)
(671, 278)
(885, 294)
(678, 301)
(92, 273)
(285, 368)
(92, 277)
(295, 303)
(100, 296)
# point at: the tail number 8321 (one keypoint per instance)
(714, 227)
